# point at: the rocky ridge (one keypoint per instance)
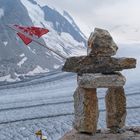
(18, 60)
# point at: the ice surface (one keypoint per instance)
(5, 43)
(22, 61)
(37, 70)
(8, 78)
(56, 66)
(22, 55)
(1, 13)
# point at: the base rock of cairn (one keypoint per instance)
(129, 133)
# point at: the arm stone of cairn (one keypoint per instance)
(91, 64)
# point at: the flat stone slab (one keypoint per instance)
(99, 80)
(128, 134)
(91, 64)
(100, 43)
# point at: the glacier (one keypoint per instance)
(46, 102)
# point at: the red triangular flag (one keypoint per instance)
(38, 31)
(25, 39)
(23, 29)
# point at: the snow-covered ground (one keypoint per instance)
(46, 103)
(38, 104)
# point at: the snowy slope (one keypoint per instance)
(16, 60)
(62, 42)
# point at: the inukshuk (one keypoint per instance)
(99, 70)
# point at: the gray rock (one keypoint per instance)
(99, 80)
(115, 108)
(100, 43)
(91, 64)
(86, 110)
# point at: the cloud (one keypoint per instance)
(120, 17)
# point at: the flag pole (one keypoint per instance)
(37, 42)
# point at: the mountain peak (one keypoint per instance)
(16, 59)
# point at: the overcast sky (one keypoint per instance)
(120, 17)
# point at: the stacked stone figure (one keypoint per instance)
(99, 70)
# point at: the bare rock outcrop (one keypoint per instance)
(129, 133)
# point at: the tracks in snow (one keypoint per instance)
(51, 103)
(41, 111)
(52, 116)
(38, 108)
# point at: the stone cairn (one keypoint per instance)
(99, 70)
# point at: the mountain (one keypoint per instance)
(17, 60)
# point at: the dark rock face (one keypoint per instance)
(101, 43)
(61, 24)
(91, 64)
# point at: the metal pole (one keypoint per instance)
(35, 40)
